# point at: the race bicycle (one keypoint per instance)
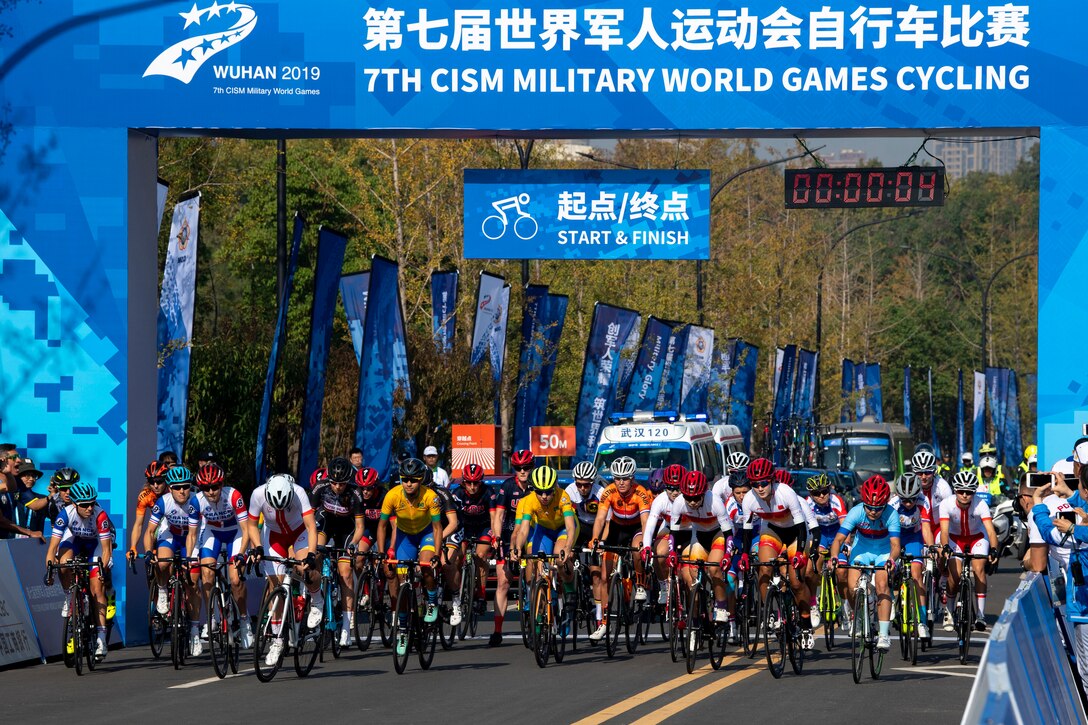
(281, 625)
(79, 626)
(781, 622)
(408, 616)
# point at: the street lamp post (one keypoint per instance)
(986, 301)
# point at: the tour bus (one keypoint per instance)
(656, 440)
(866, 448)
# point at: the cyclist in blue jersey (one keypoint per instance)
(915, 534)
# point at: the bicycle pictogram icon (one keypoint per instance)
(495, 226)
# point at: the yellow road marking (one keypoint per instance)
(692, 698)
(643, 697)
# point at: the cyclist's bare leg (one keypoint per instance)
(883, 596)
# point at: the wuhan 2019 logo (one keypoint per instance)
(220, 26)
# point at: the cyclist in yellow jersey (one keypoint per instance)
(418, 531)
(547, 523)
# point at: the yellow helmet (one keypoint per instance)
(987, 449)
(1031, 452)
(543, 479)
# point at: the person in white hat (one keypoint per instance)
(430, 457)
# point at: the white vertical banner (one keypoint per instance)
(489, 308)
(697, 361)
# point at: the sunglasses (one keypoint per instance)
(545, 494)
(12, 457)
(672, 488)
(822, 492)
(412, 479)
(874, 509)
(761, 484)
(156, 481)
(693, 501)
(181, 487)
(85, 505)
(907, 502)
(523, 468)
(583, 484)
(623, 478)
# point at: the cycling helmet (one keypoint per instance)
(585, 471)
(154, 470)
(473, 473)
(366, 477)
(819, 482)
(521, 458)
(543, 479)
(65, 478)
(178, 476)
(760, 470)
(1031, 452)
(923, 462)
(321, 474)
(83, 492)
(279, 490)
(781, 475)
(623, 467)
(737, 461)
(413, 469)
(987, 462)
(987, 449)
(656, 483)
(693, 485)
(210, 474)
(674, 475)
(965, 481)
(907, 486)
(341, 470)
(875, 491)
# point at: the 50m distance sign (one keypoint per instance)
(587, 214)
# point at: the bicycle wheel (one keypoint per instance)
(79, 632)
(525, 616)
(636, 612)
(403, 625)
(927, 587)
(899, 618)
(333, 627)
(309, 643)
(774, 632)
(794, 648)
(90, 638)
(447, 633)
(271, 645)
(752, 621)
(69, 642)
(218, 633)
(716, 644)
(541, 616)
(693, 627)
(966, 607)
(468, 601)
(383, 614)
(674, 616)
(614, 617)
(911, 621)
(858, 636)
(234, 635)
(563, 616)
(156, 625)
(428, 639)
(829, 609)
(876, 657)
(179, 630)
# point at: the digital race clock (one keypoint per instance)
(860, 188)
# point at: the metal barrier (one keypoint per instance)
(1025, 676)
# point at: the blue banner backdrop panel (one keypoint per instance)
(1014, 444)
(555, 311)
(698, 359)
(847, 390)
(742, 391)
(401, 383)
(721, 379)
(997, 394)
(177, 303)
(354, 289)
(330, 258)
(873, 390)
(645, 380)
(906, 397)
(672, 377)
(804, 388)
(978, 412)
(541, 327)
(444, 308)
(785, 365)
(610, 327)
(378, 377)
(278, 339)
(587, 214)
(933, 417)
(959, 417)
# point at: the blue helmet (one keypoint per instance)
(179, 475)
(83, 492)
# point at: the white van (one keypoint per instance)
(656, 440)
(728, 440)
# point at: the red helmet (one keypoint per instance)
(674, 475)
(781, 475)
(693, 485)
(154, 470)
(521, 458)
(759, 470)
(473, 473)
(318, 476)
(210, 474)
(875, 491)
(366, 477)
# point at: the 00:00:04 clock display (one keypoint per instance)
(865, 187)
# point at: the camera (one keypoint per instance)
(1070, 516)
(1035, 480)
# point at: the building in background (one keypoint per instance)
(964, 155)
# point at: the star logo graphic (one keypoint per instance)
(183, 59)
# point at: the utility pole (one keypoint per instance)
(281, 218)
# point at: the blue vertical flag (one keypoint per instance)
(698, 359)
(804, 387)
(959, 418)
(645, 380)
(353, 292)
(330, 258)
(997, 389)
(978, 412)
(873, 391)
(609, 330)
(489, 329)
(278, 338)
(672, 376)
(721, 379)
(626, 369)
(1014, 444)
(554, 313)
(541, 327)
(742, 391)
(175, 327)
(401, 383)
(906, 397)
(847, 389)
(785, 364)
(932, 418)
(378, 377)
(444, 308)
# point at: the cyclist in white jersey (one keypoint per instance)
(734, 469)
(656, 531)
(178, 537)
(966, 528)
(706, 518)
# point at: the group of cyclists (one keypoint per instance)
(750, 520)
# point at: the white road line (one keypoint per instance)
(205, 681)
(934, 671)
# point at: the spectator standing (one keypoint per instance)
(438, 474)
(355, 455)
(25, 516)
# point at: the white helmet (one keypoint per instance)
(623, 467)
(923, 462)
(737, 461)
(964, 481)
(279, 490)
(987, 462)
(907, 486)
(585, 471)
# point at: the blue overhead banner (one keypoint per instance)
(330, 258)
(444, 308)
(672, 376)
(353, 292)
(906, 397)
(873, 391)
(379, 377)
(176, 305)
(804, 387)
(587, 214)
(959, 418)
(698, 360)
(611, 326)
(1014, 444)
(278, 339)
(541, 327)
(645, 380)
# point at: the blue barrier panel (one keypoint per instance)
(1024, 675)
